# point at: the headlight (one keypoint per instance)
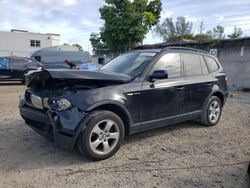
(63, 104)
(60, 104)
(36, 101)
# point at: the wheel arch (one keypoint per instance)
(118, 109)
(220, 95)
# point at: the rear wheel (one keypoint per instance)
(103, 135)
(211, 111)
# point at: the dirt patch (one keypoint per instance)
(182, 155)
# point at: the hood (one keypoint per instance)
(46, 77)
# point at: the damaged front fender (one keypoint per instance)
(67, 125)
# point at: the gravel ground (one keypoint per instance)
(183, 155)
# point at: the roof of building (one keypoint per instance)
(25, 31)
(189, 42)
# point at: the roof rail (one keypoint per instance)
(184, 48)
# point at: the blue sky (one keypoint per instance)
(76, 19)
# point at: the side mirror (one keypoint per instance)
(158, 74)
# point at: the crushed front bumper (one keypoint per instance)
(62, 127)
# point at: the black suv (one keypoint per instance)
(13, 68)
(136, 91)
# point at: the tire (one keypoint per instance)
(103, 135)
(23, 81)
(211, 111)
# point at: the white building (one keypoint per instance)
(64, 47)
(23, 43)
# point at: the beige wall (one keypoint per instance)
(236, 63)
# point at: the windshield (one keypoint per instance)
(132, 64)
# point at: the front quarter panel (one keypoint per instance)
(83, 99)
(122, 95)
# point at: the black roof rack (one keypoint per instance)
(184, 48)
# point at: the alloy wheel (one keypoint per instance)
(214, 111)
(104, 137)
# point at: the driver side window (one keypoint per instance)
(170, 62)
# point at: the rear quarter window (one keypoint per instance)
(203, 65)
(212, 64)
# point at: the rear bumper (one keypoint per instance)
(62, 128)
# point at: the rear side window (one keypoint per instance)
(170, 62)
(18, 63)
(211, 63)
(192, 64)
(203, 65)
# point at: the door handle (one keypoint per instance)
(179, 88)
(133, 94)
(209, 84)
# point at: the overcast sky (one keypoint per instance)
(76, 19)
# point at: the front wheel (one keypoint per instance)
(211, 111)
(102, 136)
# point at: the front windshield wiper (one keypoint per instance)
(135, 76)
(106, 70)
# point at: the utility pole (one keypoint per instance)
(201, 27)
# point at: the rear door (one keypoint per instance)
(198, 81)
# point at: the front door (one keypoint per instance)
(163, 98)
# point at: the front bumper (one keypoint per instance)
(62, 127)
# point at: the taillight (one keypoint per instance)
(226, 80)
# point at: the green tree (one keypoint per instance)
(97, 43)
(166, 30)
(216, 33)
(95, 40)
(127, 22)
(202, 37)
(78, 46)
(183, 27)
(237, 33)
(170, 31)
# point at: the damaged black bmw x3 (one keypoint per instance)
(137, 91)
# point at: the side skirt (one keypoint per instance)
(147, 125)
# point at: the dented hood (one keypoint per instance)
(33, 77)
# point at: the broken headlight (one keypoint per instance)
(63, 104)
(60, 104)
